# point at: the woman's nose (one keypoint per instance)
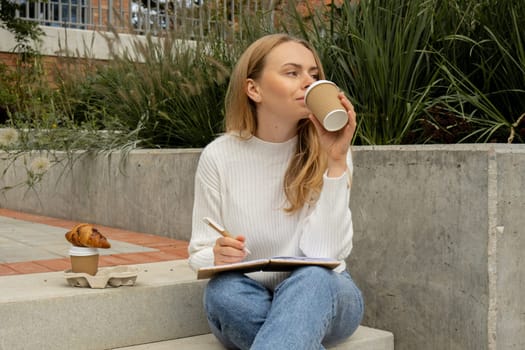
(309, 80)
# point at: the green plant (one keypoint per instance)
(486, 71)
(378, 52)
(168, 91)
(417, 72)
(425, 71)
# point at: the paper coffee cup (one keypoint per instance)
(321, 98)
(84, 260)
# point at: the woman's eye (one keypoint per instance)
(292, 73)
(315, 76)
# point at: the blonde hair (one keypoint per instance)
(304, 177)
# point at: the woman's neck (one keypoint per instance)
(275, 131)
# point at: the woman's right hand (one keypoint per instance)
(229, 250)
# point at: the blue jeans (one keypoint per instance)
(313, 305)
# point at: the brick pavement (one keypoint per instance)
(159, 248)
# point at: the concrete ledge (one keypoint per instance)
(162, 311)
(364, 338)
(40, 311)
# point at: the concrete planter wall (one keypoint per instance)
(439, 230)
(148, 191)
(440, 242)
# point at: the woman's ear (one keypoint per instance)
(252, 90)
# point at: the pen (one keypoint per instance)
(221, 230)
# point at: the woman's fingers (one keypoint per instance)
(229, 250)
(350, 110)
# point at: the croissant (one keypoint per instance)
(85, 235)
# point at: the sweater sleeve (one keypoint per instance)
(327, 230)
(206, 203)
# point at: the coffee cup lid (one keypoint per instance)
(82, 251)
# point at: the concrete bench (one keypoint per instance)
(364, 338)
(163, 310)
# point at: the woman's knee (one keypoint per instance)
(313, 272)
(219, 293)
(338, 288)
(312, 275)
(230, 292)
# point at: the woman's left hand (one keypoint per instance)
(337, 143)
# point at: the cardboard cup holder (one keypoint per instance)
(115, 276)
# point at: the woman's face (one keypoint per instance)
(279, 92)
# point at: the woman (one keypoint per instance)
(280, 182)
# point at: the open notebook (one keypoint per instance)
(278, 263)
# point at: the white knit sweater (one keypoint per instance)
(239, 184)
